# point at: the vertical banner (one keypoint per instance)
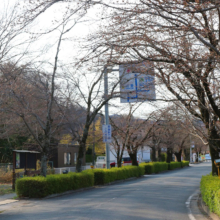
(107, 133)
(137, 82)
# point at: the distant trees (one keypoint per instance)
(182, 39)
(95, 136)
(131, 133)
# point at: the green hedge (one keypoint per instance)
(174, 165)
(154, 167)
(210, 190)
(157, 167)
(38, 187)
(103, 176)
(185, 163)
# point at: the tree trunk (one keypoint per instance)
(178, 155)
(169, 155)
(214, 147)
(133, 156)
(82, 149)
(119, 161)
(43, 168)
(153, 154)
(187, 154)
(159, 154)
(80, 156)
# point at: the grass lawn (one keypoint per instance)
(5, 189)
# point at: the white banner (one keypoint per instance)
(107, 133)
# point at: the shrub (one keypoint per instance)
(154, 167)
(37, 187)
(104, 176)
(174, 165)
(160, 166)
(184, 163)
(148, 167)
(210, 190)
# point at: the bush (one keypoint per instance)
(185, 163)
(38, 187)
(148, 167)
(104, 176)
(160, 166)
(154, 167)
(174, 165)
(210, 190)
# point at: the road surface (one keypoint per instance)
(152, 197)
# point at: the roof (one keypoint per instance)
(26, 151)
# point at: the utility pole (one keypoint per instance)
(93, 146)
(107, 151)
(106, 71)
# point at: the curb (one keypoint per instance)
(197, 210)
(204, 208)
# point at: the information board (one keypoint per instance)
(137, 82)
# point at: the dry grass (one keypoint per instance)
(5, 189)
(5, 177)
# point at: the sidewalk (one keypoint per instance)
(6, 201)
(197, 210)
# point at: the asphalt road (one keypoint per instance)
(154, 197)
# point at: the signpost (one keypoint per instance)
(137, 82)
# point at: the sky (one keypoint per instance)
(44, 49)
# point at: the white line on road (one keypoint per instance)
(191, 216)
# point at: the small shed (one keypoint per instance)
(24, 159)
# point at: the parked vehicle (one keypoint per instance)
(100, 162)
(126, 160)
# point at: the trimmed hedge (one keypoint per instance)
(38, 187)
(154, 167)
(210, 190)
(185, 163)
(104, 176)
(157, 167)
(174, 165)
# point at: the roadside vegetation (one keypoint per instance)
(38, 187)
(210, 190)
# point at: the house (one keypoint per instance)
(60, 155)
(65, 155)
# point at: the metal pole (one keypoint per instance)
(190, 149)
(93, 146)
(106, 115)
(190, 154)
(13, 173)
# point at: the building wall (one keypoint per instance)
(73, 150)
